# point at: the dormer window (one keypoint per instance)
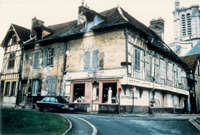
(13, 40)
(88, 17)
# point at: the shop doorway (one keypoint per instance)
(95, 97)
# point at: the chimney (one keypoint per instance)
(36, 28)
(158, 27)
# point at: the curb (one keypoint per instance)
(70, 125)
(93, 127)
(194, 123)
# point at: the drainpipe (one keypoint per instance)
(64, 69)
(152, 89)
(126, 35)
(20, 74)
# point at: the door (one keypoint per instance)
(95, 97)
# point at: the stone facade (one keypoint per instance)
(186, 28)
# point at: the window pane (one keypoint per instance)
(13, 88)
(7, 88)
(79, 93)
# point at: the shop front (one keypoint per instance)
(95, 96)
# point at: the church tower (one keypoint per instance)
(186, 28)
(177, 4)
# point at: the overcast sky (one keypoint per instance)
(21, 12)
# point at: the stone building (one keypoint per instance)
(89, 61)
(11, 64)
(186, 28)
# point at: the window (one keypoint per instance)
(79, 93)
(36, 63)
(162, 69)
(179, 75)
(52, 85)
(52, 100)
(109, 93)
(188, 24)
(13, 88)
(183, 25)
(7, 88)
(170, 72)
(35, 87)
(14, 40)
(137, 59)
(48, 57)
(92, 60)
(11, 62)
(2, 85)
(151, 66)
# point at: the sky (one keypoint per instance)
(52, 12)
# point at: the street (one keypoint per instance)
(109, 125)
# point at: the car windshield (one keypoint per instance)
(61, 100)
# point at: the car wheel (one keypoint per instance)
(41, 109)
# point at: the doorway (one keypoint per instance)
(95, 97)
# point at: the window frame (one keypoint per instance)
(137, 62)
(50, 56)
(13, 88)
(11, 61)
(170, 72)
(162, 69)
(7, 89)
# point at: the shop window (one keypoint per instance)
(36, 63)
(7, 88)
(109, 93)
(2, 85)
(11, 63)
(13, 88)
(79, 93)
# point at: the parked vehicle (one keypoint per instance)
(56, 103)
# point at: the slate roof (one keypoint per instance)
(22, 32)
(114, 17)
(191, 60)
(195, 49)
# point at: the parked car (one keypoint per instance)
(56, 103)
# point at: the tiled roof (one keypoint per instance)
(191, 60)
(195, 49)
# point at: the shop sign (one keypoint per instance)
(172, 89)
(128, 97)
(140, 83)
